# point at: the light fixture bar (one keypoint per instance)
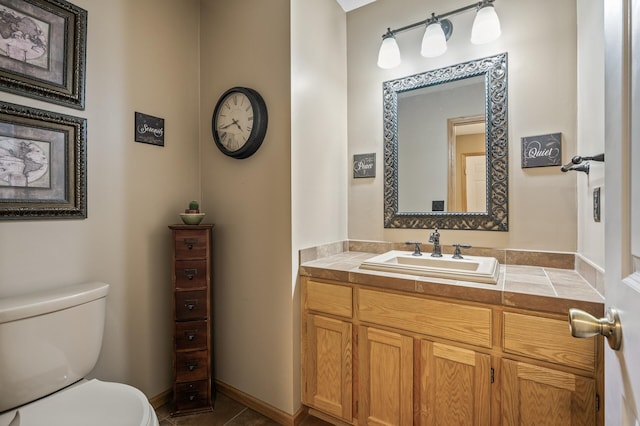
(438, 29)
(434, 18)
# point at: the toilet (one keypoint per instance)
(49, 342)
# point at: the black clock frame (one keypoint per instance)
(258, 131)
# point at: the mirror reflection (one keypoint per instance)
(445, 154)
(441, 147)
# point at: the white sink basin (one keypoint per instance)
(470, 268)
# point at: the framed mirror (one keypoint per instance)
(446, 147)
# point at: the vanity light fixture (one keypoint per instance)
(486, 25)
(486, 28)
(434, 41)
(389, 54)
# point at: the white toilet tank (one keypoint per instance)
(49, 340)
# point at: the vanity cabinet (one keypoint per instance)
(377, 357)
(327, 349)
(192, 316)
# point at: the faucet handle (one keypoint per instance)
(457, 254)
(416, 249)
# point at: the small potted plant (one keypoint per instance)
(194, 207)
(192, 215)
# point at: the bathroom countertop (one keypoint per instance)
(538, 288)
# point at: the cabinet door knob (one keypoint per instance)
(583, 324)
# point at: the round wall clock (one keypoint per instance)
(239, 122)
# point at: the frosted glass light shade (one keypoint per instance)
(389, 54)
(486, 26)
(434, 42)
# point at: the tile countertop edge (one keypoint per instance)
(345, 267)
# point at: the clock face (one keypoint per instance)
(239, 122)
(234, 121)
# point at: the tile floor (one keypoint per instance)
(227, 412)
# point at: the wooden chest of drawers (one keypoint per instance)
(193, 390)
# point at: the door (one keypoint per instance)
(328, 383)
(475, 183)
(622, 206)
(386, 378)
(455, 386)
(536, 396)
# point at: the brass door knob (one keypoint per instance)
(583, 324)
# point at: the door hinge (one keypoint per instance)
(597, 402)
(493, 375)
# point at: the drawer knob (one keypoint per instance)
(190, 304)
(191, 365)
(583, 324)
(189, 242)
(190, 336)
(191, 273)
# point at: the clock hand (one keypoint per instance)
(228, 125)
(236, 123)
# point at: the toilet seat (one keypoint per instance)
(91, 402)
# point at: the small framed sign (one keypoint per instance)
(149, 129)
(364, 165)
(542, 150)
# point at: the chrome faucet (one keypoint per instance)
(434, 238)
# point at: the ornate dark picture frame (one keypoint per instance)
(494, 70)
(43, 164)
(43, 50)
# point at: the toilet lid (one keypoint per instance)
(92, 403)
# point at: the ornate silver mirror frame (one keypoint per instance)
(494, 70)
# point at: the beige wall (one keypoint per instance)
(141, 56)
(590, 126)
(542, 99)
(319, 164)
(247, 43)
(291, 194)
(320, 167)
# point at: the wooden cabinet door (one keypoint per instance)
(539, 396)
(455, 386)
(386, 378)
(328, 366)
